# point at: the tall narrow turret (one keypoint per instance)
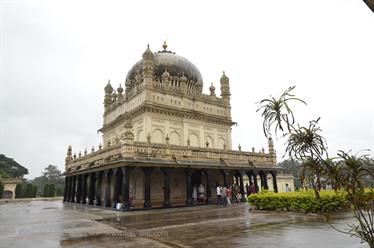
(225, 87)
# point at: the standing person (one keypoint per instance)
(201, 192)
(194, 194)
(224, 196)
(219, 195)
(252, 189)
(229, 195)
(238, 197)
(288, 188)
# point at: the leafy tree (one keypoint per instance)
(9, 168)
(58, 191)
(292, 166)
(19, 191)
(51, 174)
(345, 172)
(34, 190)
(49, 190)
(28, 190)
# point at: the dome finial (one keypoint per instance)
(165, 46)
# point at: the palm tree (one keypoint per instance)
(306, 142)
(354, 170)
(277, 112)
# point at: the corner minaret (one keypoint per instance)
(108, 94)
(148, 67)
(225, 87)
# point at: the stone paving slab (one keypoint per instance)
(54, 224)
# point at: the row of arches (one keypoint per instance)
(147, 187)
(175, 138)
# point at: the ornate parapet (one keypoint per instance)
(182, 156)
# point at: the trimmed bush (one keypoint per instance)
(303, 201)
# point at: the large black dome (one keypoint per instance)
(176, 66)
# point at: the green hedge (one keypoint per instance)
(303, 201)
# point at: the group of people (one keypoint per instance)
(198, 194)
(227, 195)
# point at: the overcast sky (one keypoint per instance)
(56, 58)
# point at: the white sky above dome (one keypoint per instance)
(56, 58)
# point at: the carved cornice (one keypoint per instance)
(171, 111)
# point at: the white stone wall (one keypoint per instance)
(178, 129)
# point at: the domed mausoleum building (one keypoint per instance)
(161, 137)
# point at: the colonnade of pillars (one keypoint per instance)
(78, 190)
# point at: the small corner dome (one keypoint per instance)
(168, 61)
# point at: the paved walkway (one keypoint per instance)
(53, 224)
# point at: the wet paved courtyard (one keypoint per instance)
(54, 224)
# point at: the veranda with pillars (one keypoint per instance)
(154, 187)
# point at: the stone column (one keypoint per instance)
(117, 185)
(108, 184)
(84, 188)
(254, 175)
(91, 194)
(73, 188)
(241, 185)
(125, 186)
(264, 180)
(208, 186)
(147, 186)
(66, 189)
(98, 188)
(79, 188)
(275, 186)
(166, 188)
(225, 175)
(69, 189)
(189, 186)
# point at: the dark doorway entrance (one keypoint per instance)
(7, 194)
(198, 178)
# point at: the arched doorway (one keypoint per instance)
(7, 194)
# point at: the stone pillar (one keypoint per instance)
(108, 184)
(73, 188)
(79, 188)
(264, 180)
(98, 188)
(241, 185)
(225, 176)
(254, 176)
(166, 188)
(208, 186)
(66, 189)
(117, 186)
(91, 194)
(125, 186)
(147, 186)
(84, 188)
(69, 189)
(275, 185)
(188, 172)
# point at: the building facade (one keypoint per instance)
(162, 136)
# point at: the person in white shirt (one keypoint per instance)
(219, 195)
(201, 193)
(194, 194)
(288, 188)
